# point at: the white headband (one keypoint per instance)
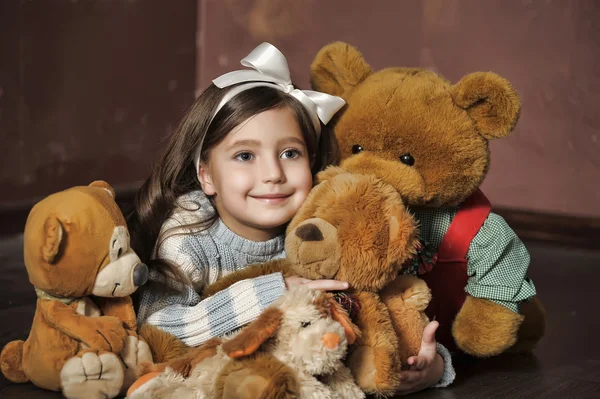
(270, 69)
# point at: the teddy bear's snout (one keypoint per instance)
(140, 274)
(331, 340)
(312, 247)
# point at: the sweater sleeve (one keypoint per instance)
(449, 372)
(183, 315)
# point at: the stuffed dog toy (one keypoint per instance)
(300, 330)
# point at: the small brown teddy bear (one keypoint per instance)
(83, 339)
(429, 139)
(355, 228)
(303, 329)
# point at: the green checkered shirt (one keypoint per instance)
(497, 258)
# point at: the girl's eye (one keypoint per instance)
(244, 157)
(290, 154)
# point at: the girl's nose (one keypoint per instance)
(273, 172)
(331, 340)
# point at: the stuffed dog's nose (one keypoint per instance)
(140, 274)
(331, 340)
(309, 232)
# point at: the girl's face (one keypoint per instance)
(259, 174)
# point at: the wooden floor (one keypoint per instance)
(566, 363)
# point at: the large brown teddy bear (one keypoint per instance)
(429, 139)
(355, 228)
(83, 338)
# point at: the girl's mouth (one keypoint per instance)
(272, 198)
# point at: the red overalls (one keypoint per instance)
(448, 278)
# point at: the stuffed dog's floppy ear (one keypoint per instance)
(403, 234)
(341, 316)
(337, 69)
(491, 102)
(253, 336)
(53, 236)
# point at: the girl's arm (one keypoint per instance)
(193, 321)
(252, 271)
(185, 315)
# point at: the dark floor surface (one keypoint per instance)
(566, 363)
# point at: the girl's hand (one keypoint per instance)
(323, 285)
(427, 368)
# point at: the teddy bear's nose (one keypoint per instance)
(309, 232)
(140, 274)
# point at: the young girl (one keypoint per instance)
(233, 175)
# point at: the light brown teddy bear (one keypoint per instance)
(83, 338)
(429, 139)
(355, 228)
(300, 330)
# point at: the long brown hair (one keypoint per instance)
(175, 172)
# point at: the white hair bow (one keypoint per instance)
(270, 68)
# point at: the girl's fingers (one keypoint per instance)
(328, 285)
(410, 376)
(417, 362)
(429, 332)
(295, 281)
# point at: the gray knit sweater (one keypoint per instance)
(206, 256)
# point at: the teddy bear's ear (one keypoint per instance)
(329, 173)
(491, 102)
(403, 235)
(337, 69)
(53, 236)
(104, 185)
(252, 337)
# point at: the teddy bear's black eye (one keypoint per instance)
(305, 324)
(407, 159)
(356, 148)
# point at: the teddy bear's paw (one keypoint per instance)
(484, 328)
(533, 327)
(417, 295)
(92, 376)
(135, 353)
(407, 291)
(372, 371)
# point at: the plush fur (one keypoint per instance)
(83, 339)
(354, 227)
(278, 355)
(164, 346)
(428, 138)
(260, 376)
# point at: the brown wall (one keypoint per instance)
(549, 50)
(87, 90)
